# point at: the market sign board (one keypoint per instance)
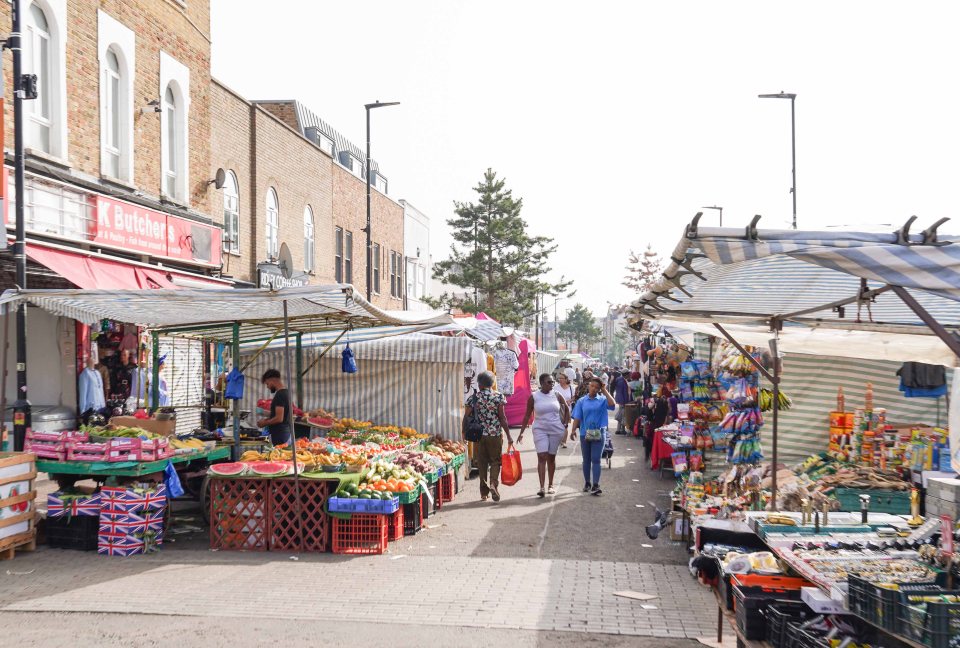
(269, 276)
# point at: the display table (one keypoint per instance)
(125, 468)
(660, 450)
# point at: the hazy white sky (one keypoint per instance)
(617, 121)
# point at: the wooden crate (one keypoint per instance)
(18, 506)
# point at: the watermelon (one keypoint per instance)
(228, 469)
(269, 468)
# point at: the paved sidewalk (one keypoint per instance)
(531, 564)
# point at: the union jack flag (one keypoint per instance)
(120, 499)
(122, 522)
(59, 505)
(119, 544)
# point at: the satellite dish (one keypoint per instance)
(219, 179)
(285, 261)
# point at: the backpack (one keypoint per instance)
(472, 427)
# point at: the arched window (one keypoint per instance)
(114, 113)
(171, 180)
(308, 247)
(273, 224)
(38, 59)
(231, 214)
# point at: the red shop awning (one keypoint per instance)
(95, 272)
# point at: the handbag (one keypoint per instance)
(510, 468)
(595, 434)
(472, 428)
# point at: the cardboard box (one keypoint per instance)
(123, 523)
(944, 489)
(820, 603)
(122, 544)
(127, 500)
(166, 428)
(59, 504)
(937, 507)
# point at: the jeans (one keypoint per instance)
(592, 452)
(489, 456)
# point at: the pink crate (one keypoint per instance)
(123, 443)
(54, 437)
(123, 455)
(89, 448)
(73, 455)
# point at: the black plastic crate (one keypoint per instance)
(78, 532)
(932, 623)
(724, 587)
(456, 481)
(750, 603)
(412, 518)
(878, 605)
(425, 507)
(780, 615)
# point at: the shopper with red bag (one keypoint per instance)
(486, 406)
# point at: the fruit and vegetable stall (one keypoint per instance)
(350, 493)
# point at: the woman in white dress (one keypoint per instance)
(549, 428)
(564, 387)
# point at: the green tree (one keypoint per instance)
(500, 267)
(642, 270)
(579, 326)
(617, 348)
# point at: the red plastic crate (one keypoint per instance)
(284, 530)
(240, 514)
(445, 488)
(363, 533)
(396, 525)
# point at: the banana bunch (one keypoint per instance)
(765, 400)
(735, 363)
(353, 459)
(781, 519)
(253, 455)
(327, 460)
(186, 444)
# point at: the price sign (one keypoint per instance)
(946, 534)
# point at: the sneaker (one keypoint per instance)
(596, 490)
(540, 493)
(551, 491)
(586, 488)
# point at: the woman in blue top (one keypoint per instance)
(591, 418)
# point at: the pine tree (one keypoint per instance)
(579, 326)
(499, 265)
(643, 270)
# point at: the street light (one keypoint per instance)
(368, 108)
(793, 143)
(720, 209)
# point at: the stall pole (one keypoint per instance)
(950, 340)
(324, 352)
(297, 504)
(299, 370)
(3, 377)
(155, 374)
(235, 352)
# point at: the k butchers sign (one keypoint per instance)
(130, 227)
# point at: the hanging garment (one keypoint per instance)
(90, 391)
(922, 376)
(506, 363)
(471, 369)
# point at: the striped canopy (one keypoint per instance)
(823, 280)
(212, 314)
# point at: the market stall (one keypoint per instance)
(840, 534)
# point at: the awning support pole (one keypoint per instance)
(263, 347)
(235, 352)
(324, 352)
(950, 340)
(299, 370)
(297, 504)
(753, 361)
(155, 374)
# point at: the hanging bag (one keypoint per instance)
(510, 471)
(472, 428)
(234, 390)
(349, 363)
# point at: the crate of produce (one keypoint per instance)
(930, 616)
(408, 497)
(458, 460)
(312, 527)
(18, 503)
(239, 514)
(362, 534)
(431, 477)
(750, 602)
(412, 518)
(347, 505)
(395, 526)
(780, 615)
(445, 488)
(881, 500)
(80, 532)
(878, 603)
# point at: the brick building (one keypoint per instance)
(291, 178)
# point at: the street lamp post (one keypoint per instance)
(720, 209)
(367, 229)
(793, 143)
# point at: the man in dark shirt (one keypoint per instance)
(279, 422)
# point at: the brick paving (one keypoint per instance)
(525, 564)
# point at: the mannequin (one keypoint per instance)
(90, 388)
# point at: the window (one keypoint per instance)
(411, 278)
(338, 256)
(111, 104)
(379, 182)
(38, 60)
(396, 279)
(273, 224)
(231, 214)
(376, 268)
(308, 239)
(356, 166)
(348, 258)
(170, 180)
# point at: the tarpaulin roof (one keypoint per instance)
(749, 276)
(212, 314)
(485, 330)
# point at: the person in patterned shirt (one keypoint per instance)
(488, 406)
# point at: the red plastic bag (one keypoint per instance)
(510, 469)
